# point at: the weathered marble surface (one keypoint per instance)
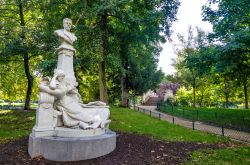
(73, 114)
(72, 149)
(60, 104)
(66, 37)
(66, 129)
(66, 50)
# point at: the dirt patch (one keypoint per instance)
(130, 149)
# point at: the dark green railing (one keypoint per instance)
(234, 119)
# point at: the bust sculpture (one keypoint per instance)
(66, 37)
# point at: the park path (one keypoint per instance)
(233, 134)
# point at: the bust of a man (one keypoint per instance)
(66, 37)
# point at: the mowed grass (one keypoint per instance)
(16, 124)
(228, 156)
(128, 120)
(232, 118)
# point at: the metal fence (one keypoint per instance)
(197, 125)
(232, 119)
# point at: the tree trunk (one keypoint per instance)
(194, 92)
(25, 59)
(102, 82)
(202, 95)
(246, 93)
(30, 82)
(125, 94)
(124, 78)
(102, 75)
(226, 90)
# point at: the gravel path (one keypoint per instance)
(233, 134)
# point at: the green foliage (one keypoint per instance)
(218, 71)
(88, 86)
(230, 17)
(183, 96)
(143, 75)
(193, 61)
(210, 92)
(231, 28)
(136, 35)
(19, 48)
(13, 83)
(131, 27)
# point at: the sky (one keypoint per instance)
(189, 13)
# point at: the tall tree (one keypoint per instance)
(140, 26)
(187, 60)
(18, 29)
(113, 36)
(231, 28)
(25, 57)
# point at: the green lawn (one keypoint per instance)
(228, 156)
(232, 118)
(16, 124)
(127, 120)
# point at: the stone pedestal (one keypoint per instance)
(44, 116)
(65, 63)
(72, 149)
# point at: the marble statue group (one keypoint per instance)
(60, 94)
(66, 129)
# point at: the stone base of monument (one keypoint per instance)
(66, 132)
(72, 148)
